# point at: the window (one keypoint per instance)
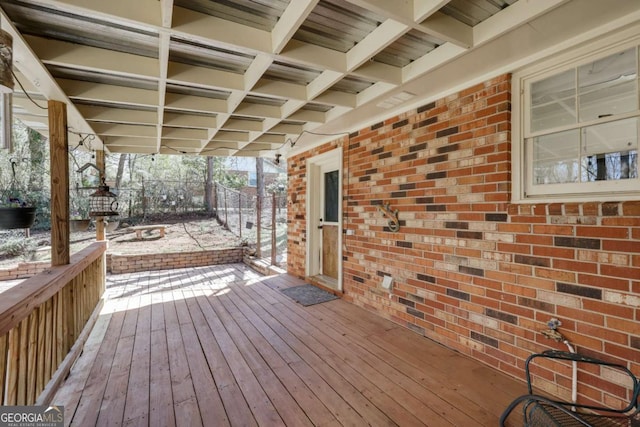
(331, 191)
(577, 130)
(253, 179)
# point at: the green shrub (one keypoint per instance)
(19, 247)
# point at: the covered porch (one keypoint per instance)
(422, 109)
(221, 345)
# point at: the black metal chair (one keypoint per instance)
(541, 411)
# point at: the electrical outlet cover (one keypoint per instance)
(387, 282)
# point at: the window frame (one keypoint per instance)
(523, 189)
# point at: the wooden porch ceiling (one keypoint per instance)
(221, 345)
(219, 77)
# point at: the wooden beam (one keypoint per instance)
(448, 29)
(512, 17)
(64, 53)
(189, 120)
(163, 62)
(59, 158)
(203, 76)
(184, 133)
(92, 91)
(374, 42)
(201, 27)
(422, 9)
(114, 129)
(258, 67)
(291, 19)
(166, 10)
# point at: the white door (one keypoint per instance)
(324, 213)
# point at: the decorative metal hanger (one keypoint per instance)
(393, 223)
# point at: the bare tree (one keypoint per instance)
(121, 161)
(208, 186)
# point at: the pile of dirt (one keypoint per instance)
(185, 236)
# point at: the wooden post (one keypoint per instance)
(258, 226)
(226, 209)
(59, 159)
(273, 229)
(240, 214)
(100, 234)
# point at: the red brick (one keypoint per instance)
(609, 232)
(621, 246)
(561, 230)
(600, 282)
(622, 352)
(563, 264)
(550, 251)
(631, 208)
(615, 271)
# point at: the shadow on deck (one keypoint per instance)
(221, 345)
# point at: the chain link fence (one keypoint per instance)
(147, 197)
(239, 212)
(263, 221)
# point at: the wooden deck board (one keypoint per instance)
(185, 403)
(346, 355)
(317, 413)
(360, 392)
(288, 409)
(236, 407)
(221, 345)
(136, 405)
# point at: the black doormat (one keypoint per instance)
(308, 294)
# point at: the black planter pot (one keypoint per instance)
(17, 217)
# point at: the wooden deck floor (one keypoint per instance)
(221, 345)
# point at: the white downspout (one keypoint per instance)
(574, 377)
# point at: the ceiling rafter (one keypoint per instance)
(293, 16)
(218, 71)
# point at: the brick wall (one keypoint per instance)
(471, 270)
(296, 210)
(166, 261)
(144, 262)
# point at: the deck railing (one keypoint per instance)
(44, 322)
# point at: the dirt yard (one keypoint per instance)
(180, 236)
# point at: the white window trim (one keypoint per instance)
(521, 174)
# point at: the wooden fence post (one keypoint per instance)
(240, 214)
(226, 209)
(273, 229)
(258, 226)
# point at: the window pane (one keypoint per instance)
(610, 151)
(608, 86)
(556, 158)
(553, 101)
(331, 196)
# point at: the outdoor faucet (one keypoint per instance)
(552, 332)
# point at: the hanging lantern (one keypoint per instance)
(103, 202)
